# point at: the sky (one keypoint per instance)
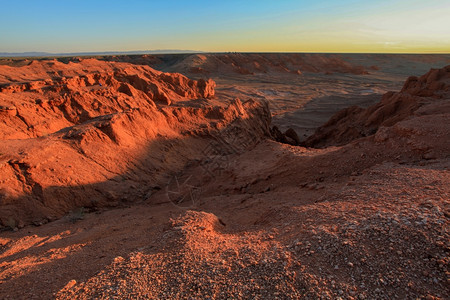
(375, 26)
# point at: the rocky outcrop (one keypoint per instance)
(107, 138)
(288, 137)
(49, 103)
(354, 122)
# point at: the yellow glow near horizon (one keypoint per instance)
(382, 26)
(410, 31)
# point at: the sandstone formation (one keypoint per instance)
(48, 96)
(90, 134)
(355, 122)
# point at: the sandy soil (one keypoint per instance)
(230, 213)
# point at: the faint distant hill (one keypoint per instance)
(41, 54)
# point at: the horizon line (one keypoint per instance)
(43, 54)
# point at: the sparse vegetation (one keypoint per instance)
(11, 224)
(77, 214)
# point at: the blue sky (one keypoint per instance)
(284, 26)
